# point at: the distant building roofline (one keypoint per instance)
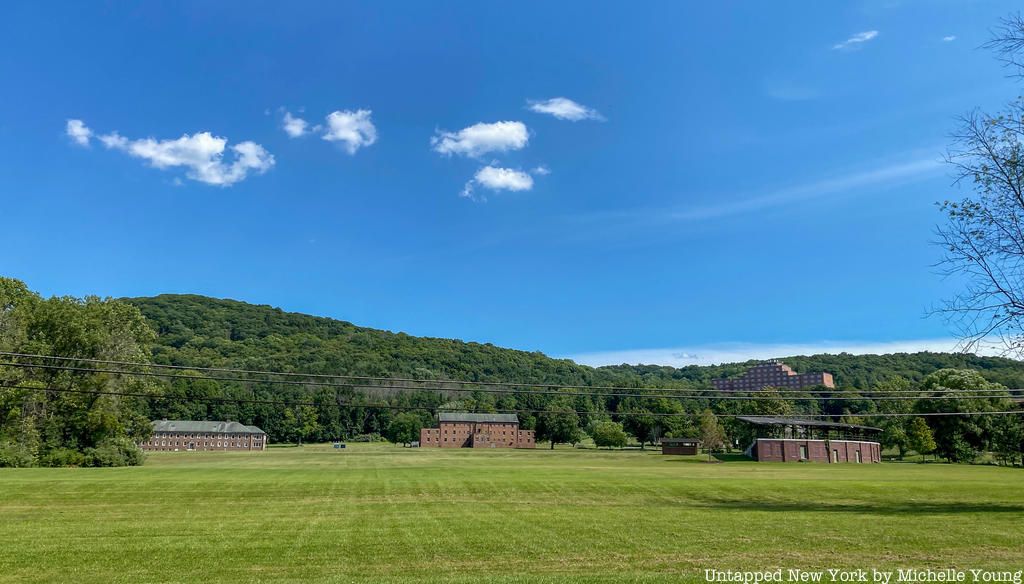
(785, 421)
(479, 418)
(205, 427)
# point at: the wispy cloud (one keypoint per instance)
(78, 132)
(856, 40)
(564, 108)
(738, 352)
(890, 174)
(949, 39)
(789, 91)
(200, 154)
(482, 138)
(884, 175)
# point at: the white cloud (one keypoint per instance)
(500, 179)
(855, 40)
(201, 154)
(78, 132)
(887, 175)
(503, 179)
(739, 352)
(541, 170)
(293, 126)
(482, 138)
(564, 108)
(354, 128)
(949, 39)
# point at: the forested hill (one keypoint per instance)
(199, 331)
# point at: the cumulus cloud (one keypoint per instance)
(482, 138)
(200, 154)
(78, 132)
(354, 128)
(564, 108)
(495, 178)
(949, 39)
(856, 40)
(294, 126)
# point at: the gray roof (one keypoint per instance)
(204, 427)
(678, 440)
(484, 418)
(781, 421)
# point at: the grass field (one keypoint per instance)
(380, 513)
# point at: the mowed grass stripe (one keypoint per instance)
(386, 514)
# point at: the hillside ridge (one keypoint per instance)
(199, 330)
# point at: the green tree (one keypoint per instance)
(894, 435)
(404, 428)
(1008, 439)
(607, 434)
(308, 425)
(961, 438)
(559, 423)
(102, 429)
(919, 437)
(711, 433)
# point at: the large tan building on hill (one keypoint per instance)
(773, 374)
(463, 430)
(175, 435)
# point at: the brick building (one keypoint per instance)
(463, 430)
(175, 435)
(796, 440)
(773, 374)
(689, 446)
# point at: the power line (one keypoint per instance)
(422, 385)
(388, 379)
(679, 394)
(427, 408)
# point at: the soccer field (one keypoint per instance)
(381, 513)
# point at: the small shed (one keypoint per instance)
(689, 446)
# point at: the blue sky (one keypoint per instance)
(725, 179)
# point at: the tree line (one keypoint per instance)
(60, 428)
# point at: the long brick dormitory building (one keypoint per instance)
(175, 435)
(463, 430)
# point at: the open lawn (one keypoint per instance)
(381, 513)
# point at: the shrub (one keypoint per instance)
(15, 455)
(118, 452)
(63, 457)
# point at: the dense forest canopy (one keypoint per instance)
(200, 332)
(195, 332)
(67, 425)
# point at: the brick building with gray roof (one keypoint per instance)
(466, 430)
(178, 435)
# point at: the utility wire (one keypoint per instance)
(679, 394)
(427, 408)
(682, 393)
(385, 379)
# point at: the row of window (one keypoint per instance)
(206, 444)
